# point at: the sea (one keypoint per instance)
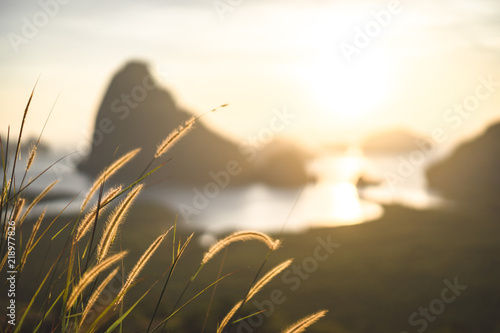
(352, 187)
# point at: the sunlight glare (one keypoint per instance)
(345, 203)
(350, 91)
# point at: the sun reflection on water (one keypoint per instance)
(336, 194)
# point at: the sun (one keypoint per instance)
(349, 91)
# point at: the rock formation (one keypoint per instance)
(472, 172)
(137, 112)
(394, 141)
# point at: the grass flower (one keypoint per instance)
(116, 218)
(90, 275)
(134, 273)
(107, 173)
(173, 137)
(87, 222)
(304, 323)
(236, 237)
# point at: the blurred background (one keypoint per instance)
(255, 55)
(338, 111)
(346, 73)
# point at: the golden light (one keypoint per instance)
(345, 203)
(350, 91)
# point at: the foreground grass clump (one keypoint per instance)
(60, 294)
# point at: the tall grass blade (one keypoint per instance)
(95, 295)
(253, 291)
(16, 155)
(19, 324)
(46, 314)
(122, 317)
(36, 200)
(172, 267)
(107, 173)
(304, 323)
(115, 220)
(90, 275)
(17, 210)
(268, 277)
(139, 266)
(239, 236)
(229, 316)
(31, 157)
(175, 136)
(192, 299)
(87, 222)
(29, 244)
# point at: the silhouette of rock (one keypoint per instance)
(281, 163)
(390, 142)
(472, 172)
(137, 112)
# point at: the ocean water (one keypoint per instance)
(334, 200)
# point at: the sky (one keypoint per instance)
(343, 69)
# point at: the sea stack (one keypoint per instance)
(471, 174)
(137, 112)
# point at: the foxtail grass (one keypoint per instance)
(5, 190)
(77, 298)
(134, 273)
(29, 244)
(87, 222)
(36, 200)
(229, 316)
(238, 237)
(90, 275)
(253, 291)
(301, 325)
(268, 277)
(95, 295)
(224, 243)
(108, 173)
(17, 209)
(175, 136)
(114, 221)
(31, 157)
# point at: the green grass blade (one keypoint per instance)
(20, 323)
(119, 320)
(47, 313)
(111, 305)
(192, 299)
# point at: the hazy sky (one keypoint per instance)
(306, 56)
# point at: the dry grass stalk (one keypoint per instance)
(115, 220)
(173, 137)
(222, 106)
(253, 291)
(268, 277)
(229, 316)
(27, 250)
(134, 273)
(18, 208)
(31, 157)
(239, 236)
(90, 275)
(4, 260)
(89, 219)
(95, 295)
(5, 190)
(304, 323)
(107, 173)
(36, 200)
